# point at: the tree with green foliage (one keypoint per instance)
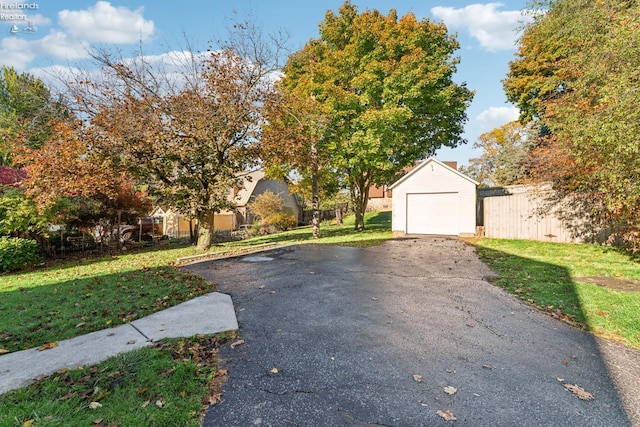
(502, 162)
(27, 112)
(385, 85)
(577, 73)
(19, 216)
(293, 142)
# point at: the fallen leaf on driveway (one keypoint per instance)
(274, 371)
(236, 343)
(417, 378)
(261, 287)
(47, 346)
(579, 391)
(450, 390)
(447, 415)
(131, 342)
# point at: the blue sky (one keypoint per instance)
(35, 36)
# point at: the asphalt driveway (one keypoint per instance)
(407, 333)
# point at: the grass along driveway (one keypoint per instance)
(561, 279)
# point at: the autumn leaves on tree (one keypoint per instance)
(383, 88)
(373, 94)
(576, 75)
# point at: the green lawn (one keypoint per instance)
(547, 275)
(169, 384)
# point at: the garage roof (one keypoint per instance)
(424, 164)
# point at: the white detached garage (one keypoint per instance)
(434, 199)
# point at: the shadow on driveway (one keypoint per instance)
(350, 336)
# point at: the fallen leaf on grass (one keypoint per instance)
(160, 403)
(579, 391)
(417, 378)
(47, 346)
(27, 423)
(446, 415)
(450, 390)
(236, 343)
(146, 403)
(4, 351)
(98, 421)
(95, 405)
(67, 396)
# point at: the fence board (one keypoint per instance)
(516, 213)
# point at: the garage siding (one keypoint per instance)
(434, 199)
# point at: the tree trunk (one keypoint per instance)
(205, 230)
(315, 199)
(315, 205)
(339, 214)
(360, 199)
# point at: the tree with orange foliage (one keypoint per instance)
(577, 74)
(190, 133)
(67, 179)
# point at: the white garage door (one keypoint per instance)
(433, 213)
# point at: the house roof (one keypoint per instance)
(249, 182)
(424, 164)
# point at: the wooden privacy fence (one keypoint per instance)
(523, 212)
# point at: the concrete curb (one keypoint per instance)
(179, 262)
(208, 314)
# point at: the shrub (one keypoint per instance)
(266, 205)
(17, 253)
(282, 222)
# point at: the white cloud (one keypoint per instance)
(61, 45)
(100, 23)
(16, 52)
(494, 117)
(495, 30)
(106, 24)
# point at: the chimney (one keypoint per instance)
(452, 165)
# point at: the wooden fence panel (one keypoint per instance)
(516, 213)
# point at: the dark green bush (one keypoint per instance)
(17, 253)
